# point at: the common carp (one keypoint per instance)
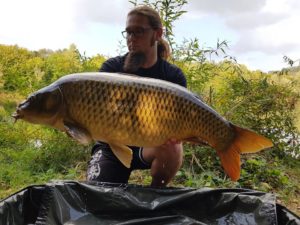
(124, 110)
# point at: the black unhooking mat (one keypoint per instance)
(68, 202)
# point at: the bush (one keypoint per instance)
(32, 154)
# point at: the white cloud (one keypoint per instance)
(248, 20)
(279, 37)
(225, 8)
(36, 24)
(265, 28)
(110, 12)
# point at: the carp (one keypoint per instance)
(124, 110)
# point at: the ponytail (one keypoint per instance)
(163, 49)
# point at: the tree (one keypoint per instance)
(15, 67)
(62, 62)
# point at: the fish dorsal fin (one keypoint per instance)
(123, 153)
(78, 133)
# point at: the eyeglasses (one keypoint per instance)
(139, 32)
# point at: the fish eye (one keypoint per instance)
(34, 98)
(31, 98)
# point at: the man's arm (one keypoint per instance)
(175, 75)
(179, 78)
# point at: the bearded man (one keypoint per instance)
(146, 57)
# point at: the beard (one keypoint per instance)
(136, 59)
(133, 61)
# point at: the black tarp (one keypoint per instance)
(75, 203)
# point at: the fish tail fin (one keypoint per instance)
(230, 160)
(246, 141)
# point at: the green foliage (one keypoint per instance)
(256, 102)
(201, 168)
(195, 61)
(34, 154)
(24, 71)
(257, 172)
(13, 61)
(90, 64)
(31, 154)
(61, 63)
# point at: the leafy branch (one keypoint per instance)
(289, 61)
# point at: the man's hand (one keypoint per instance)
(171, 141)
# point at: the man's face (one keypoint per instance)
(140, 35)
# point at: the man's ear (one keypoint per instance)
(159, 33)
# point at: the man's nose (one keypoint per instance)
(131, 36)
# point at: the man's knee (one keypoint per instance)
(164, 153)
(171, 154)
(175, 150)
(167, 160)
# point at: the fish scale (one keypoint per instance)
(127, 110)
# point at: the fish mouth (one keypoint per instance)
(17, 115)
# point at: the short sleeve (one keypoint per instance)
(175, 75)
(112, 65)
(180, 78)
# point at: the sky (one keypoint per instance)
(259, 32)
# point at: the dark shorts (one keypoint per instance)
(104, 166)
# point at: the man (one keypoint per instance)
(146, 56)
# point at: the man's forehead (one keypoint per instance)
(135, 21)
(136, 27)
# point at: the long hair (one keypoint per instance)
(163, 48)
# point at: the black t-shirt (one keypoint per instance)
(160, 70)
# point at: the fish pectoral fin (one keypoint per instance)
(78, 133)
(123, 153)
